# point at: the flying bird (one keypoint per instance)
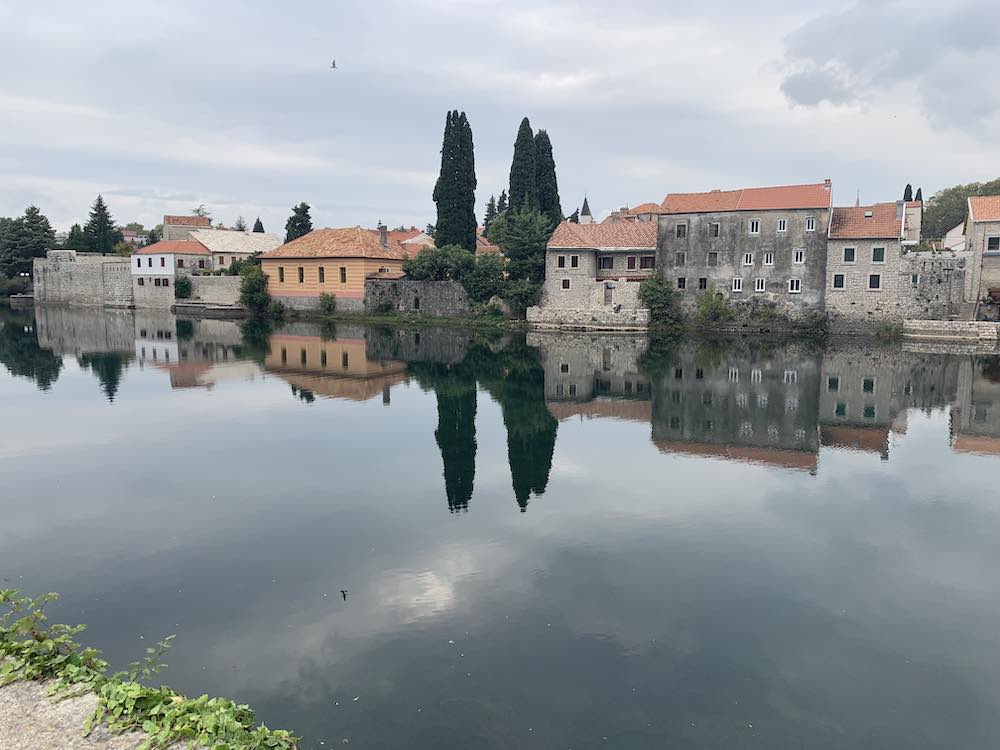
(343, 593)
(333, 65)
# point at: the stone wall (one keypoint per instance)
(437, 298)
(603, 318)
(443, 345)
(148, 294)
(79, 330)
(216, 290)
(65, 278)
(311, 304)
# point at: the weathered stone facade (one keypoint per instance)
(437, 298)
(215, 290)
(65, 278)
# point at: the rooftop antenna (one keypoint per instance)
(857, 201)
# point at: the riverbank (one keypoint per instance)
(407, 320)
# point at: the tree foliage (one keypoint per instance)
(502, 203)
(946, 208)
(240, 225)
(448, 263)
(22, 239)
(523, 173)
(258, 226)
(490, 214)
(455, 190)
(100, 233)
(299, 223)
(908, 192)
(663, 301)
(545, 180)
(75, 239)
(253, 291)
(522, 234)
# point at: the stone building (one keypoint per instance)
(180, 227)
(755, 246)
(64, 277)
(592, 275)
(982, 237)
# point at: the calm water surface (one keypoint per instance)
(558, 541)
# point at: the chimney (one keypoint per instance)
(827, 184)
(383, 235)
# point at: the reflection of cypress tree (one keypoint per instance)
(108, 367)
(21, 354)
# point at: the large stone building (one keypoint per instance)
(982, 238)
(753, 245)
(180, 227)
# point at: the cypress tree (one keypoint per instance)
(455, 190)
(257, 226)
(920, 195)
(545, 180)
(502, 202)
(100, 233)
(523, 188)
(299, 223)
(467, 194)
(575, 216)
(491, 213)
(908, 192)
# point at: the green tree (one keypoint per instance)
(522, 235)
(75, 240)
(253, 291)
(108, 367)
(240, 225)
(502, 202)
(455, 190)
(920, 195)
(135, 226)
(659, 295)
(545, 180)
(946, 208)
(523, 188)
(201, 211)
(100, 233)
(155, 234)
(21, 354)
(490, 214)
(908, 192)
(575, 216)
(23, 239)
(485, 279)
(258, 226)
(448, 263)
(299, 223)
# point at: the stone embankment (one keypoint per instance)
(982, 334)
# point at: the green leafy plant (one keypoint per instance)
(182, 287)
(712, 307)
(328, 303)
(663, 302)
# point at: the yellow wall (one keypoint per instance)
(356, 268)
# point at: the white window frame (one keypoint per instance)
(756, 375)
(747, 259)
(753, 226)
(874, 288)
(810, 223)
(799, 257)
(782, 225)
(790, 377)
(878, 262)
(737, 285)
(833, 282)
(734, 375)
(843, 255)
(795, 286)
(986, 247)
(768, 259)
(760, 284)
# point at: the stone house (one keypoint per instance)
(752, 245)
(982, 235)
(331, 261)
(180, 227)
(592, 274)
(229, 245)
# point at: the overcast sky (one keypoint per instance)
(162, 106)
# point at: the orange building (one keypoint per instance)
(334, 261)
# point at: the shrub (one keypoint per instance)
(14, 285)
(663, 302)
(485, 279)
(182, 287)
(448, 263)
(253, 291)
(328, 303)
(521, 295)
(383, 307)
(712, 308)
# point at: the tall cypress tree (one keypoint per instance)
(908, 192)
(545, 180)
(257, 226)
(523, 188)
(920, 195)
(299, 223)
(455, 190)
(100, 233)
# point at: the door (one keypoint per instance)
(607, 294)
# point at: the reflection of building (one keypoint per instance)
(740, 405)
(336, 368)
(976, 419)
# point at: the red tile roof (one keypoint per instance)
(790, 197)
(348, 242)
(177, 247)
(625, 234)
(646, 208)
(188, 221)
(984, 207)
(852, 223)
(783, 457)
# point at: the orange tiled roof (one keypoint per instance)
(625, 234)
(984, 207)
(871, 439)
(188, 221)
(602, 408)
(177, 247)
(815, 195)
(851, 222)
(646, 208)
(783, 457)
(483, 245)
(348, 242)
(981, 444)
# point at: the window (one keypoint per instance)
(703, 283)
(869, 411)
(142, 281)
(874, 281)
(647, 261)
(156, 281)
(180, 263)
(768, 259)
(993, 244)
(715, 229)
(747, 259)
(681, 282)
(343, 274)
(681, 231)
(572, 389)
(680, 259)
(699, 373)
(790, 377)
(713, 259)
(734, 375)
(753, 226)
(756, 375)
(915, 279)
(322, 358)
(166, 282)
(564, 367)
(606, 263)
(565, 283)
(841, 409)
(868, 385)
(281, 274)
(201, 264)
(810, 224)
(678, 373)
(561, 261)
(559, 389)
(138, 262)
(799, 257)
(737, 285)
(791, 404)
(284, 355)
(741, 400)
(849, 253)
(149, 262)
(222, 260)
(344, 360)
(782, 225)
(759, 285)
(302, 274)
(761, 400)
(794, 286)
(302, 356)
(838, 281)
(322, 275)
(878, 255)
(574, 261)
(630, 263)
(163, 261)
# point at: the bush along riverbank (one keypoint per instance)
(33, 650)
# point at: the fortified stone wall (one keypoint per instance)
(603, 318)
(78, 330)
(65, 278)
(216, 290)
(431, 345)
(437, 298)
